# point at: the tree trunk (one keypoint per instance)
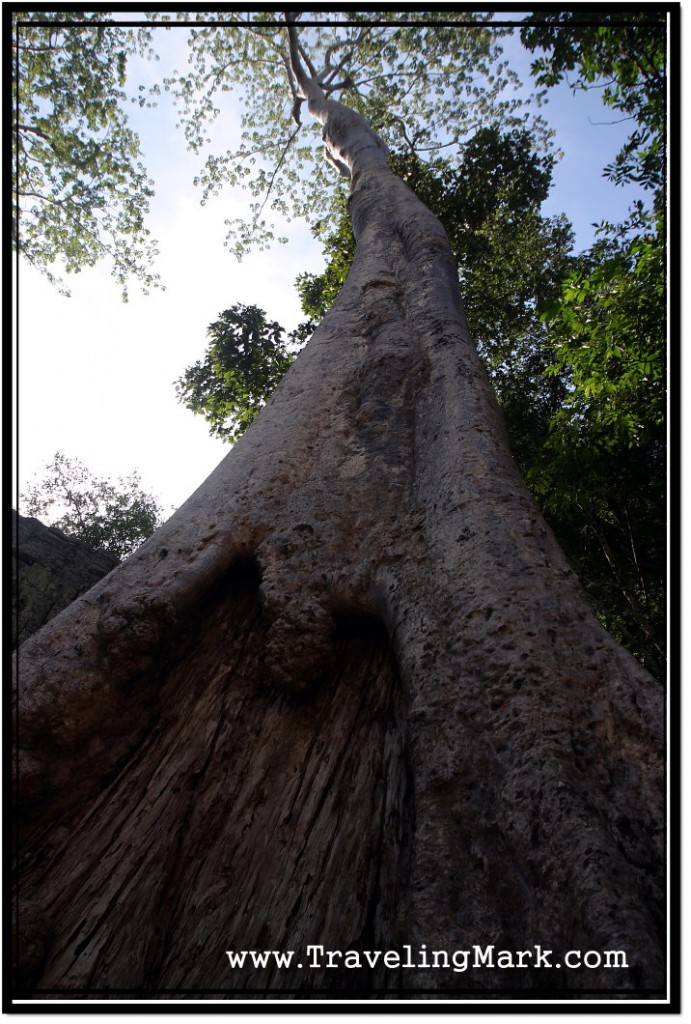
(351, 695)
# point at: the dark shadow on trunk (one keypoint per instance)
(246, 819)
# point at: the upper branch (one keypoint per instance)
(307, 87)
(296, 67)
(348, 138)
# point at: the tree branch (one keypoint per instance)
(620, 120)
(305, 56)
(34, 131)
(307, 87)
(347, 123)
(331, 70)
(299, 73)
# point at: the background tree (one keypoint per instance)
(80, 192)
(108, 517)
(354, 670)
(602, 478)
(510, 258)
(245, 360)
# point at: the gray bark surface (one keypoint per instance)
(407, 727)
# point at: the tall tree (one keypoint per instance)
(574, 348)
(350, 695)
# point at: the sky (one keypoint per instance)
(95, 375)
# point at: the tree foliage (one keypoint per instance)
(111, 517)
(602, 476)
(245, 360)
(81, 193)
(623, 53)
(608, 331)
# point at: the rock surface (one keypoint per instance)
(50, 570)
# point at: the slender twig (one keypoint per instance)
(620, 120)
(24, 193)
(638, 613)
(279, 164)
(404, 132)
(635, 554)
(39, 49)
(333, 70)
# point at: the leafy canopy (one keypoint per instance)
(608, 331)
(602, 478)
(608, 323)
(114, 518)
(81, 193)
(423, 87)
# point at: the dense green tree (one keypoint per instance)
(80, 191)
(245, 360)
(510, 258)
(608, 332)
(111, 517)
(602, 476)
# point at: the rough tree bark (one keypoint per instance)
(351, 694)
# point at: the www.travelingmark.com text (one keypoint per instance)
(459, 960)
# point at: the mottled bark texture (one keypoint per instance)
(350, 694)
